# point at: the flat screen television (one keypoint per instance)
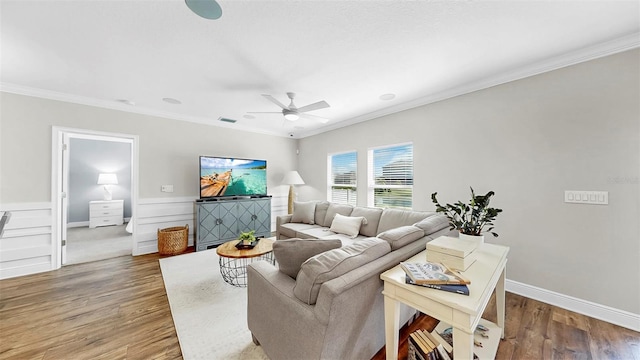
(223, 176)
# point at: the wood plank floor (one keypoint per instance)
(118, 309)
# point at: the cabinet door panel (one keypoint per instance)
(262, 212)
(229, 221)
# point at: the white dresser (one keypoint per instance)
(106, 212)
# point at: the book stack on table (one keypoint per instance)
(458, 254)
(435, 276)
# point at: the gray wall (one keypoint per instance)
(168, 149)
(87, 159)
(576, 128)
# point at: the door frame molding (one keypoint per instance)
(56, 181)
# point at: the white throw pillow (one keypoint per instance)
(348, 225)
(303, 212)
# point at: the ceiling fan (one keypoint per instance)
(292, 112)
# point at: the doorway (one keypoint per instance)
(93, 217)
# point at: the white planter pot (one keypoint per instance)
(479, 239)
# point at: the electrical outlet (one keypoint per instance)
(167, 188)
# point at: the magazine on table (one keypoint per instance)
(456, 288)
(432, 273)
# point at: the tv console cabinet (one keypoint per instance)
(223, 220)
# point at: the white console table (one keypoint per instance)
(461, 312)
(106, 212)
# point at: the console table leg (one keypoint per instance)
(391, 320)
(462, 344)
(500, 296)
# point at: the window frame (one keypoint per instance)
(330, 177)
(371, 181)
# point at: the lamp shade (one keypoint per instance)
(107, 179)
(292, 178)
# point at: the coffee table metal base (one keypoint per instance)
(234, 270)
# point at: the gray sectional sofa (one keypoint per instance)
(332, 307)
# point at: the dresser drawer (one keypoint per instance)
(105, 206)
(105, 212)
(106, 220)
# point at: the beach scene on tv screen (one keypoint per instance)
(232, 177)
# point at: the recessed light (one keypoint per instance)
(127, 101)
(387, 97)
(172, 101)
(248, 117)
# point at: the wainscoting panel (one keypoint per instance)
(160, 213)
(26, 246)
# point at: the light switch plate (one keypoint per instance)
(167, 188)
(586, 197)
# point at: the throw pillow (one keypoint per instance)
(291, 253)
(303, 212)
(321, 212)
(348, 225)
(433, 224)
(401, 236)
(342, 209)
(335, 263)
(372, 215)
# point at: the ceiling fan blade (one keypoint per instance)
(315, 106)
(317, 118)
(274, 100)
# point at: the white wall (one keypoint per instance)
(168, 155)
(577, 128)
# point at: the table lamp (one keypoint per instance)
(107, 180)
(292, 178)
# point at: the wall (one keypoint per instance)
(576, 128)
(168, 153)
(87, 159)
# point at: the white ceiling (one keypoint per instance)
(345, 52)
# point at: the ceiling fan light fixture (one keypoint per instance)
(208, 9)
(291, 116)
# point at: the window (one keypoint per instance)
(342, 178)
(390, 179)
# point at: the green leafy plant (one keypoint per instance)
(248, 236)
(471, 218)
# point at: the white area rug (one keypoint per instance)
(210, 315)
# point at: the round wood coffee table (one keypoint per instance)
(233, 262)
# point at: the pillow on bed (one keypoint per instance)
(348, 225)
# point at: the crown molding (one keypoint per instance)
(113, 105)
(621, 44)
(611, 47)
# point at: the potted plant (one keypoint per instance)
(472, 218)
(247, 237)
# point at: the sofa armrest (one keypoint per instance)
(285, 326)
(281, 219)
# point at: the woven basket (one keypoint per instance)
(173, 240)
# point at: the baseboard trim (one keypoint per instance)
(598, 311)
(77, 224)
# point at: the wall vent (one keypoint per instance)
(227, 120)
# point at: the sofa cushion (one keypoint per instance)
(373, 218)
(315, 233)
(347, 225)
(433, 224)
(334, 263)
(342, 209)
(321, 212)
(401, 236)
(304, 212)
(393, 218)
(291, 230)
(291, 253)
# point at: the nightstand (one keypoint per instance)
(106, 212)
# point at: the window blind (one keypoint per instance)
(390, 176)
(343, 178)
